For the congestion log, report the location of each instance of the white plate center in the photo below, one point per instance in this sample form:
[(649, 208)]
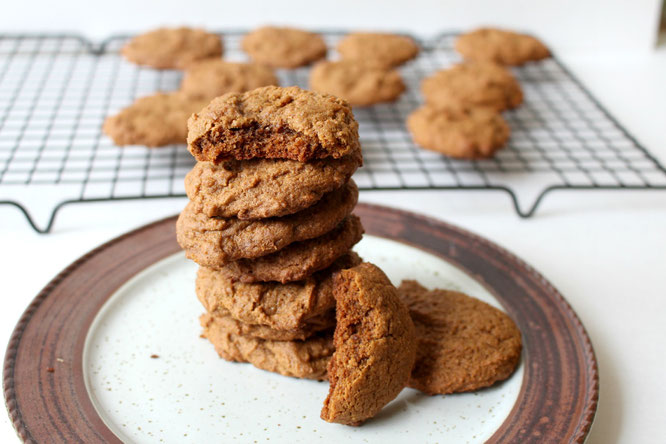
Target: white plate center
[(152, 379)]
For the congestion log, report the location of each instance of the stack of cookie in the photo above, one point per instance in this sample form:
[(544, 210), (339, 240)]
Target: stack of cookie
[(269, 221), (462, 117)]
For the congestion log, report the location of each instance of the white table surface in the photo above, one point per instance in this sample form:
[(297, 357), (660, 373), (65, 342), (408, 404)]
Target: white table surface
[(605, 251)]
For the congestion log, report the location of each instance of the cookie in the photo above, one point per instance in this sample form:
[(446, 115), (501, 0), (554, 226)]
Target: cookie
[(473, 84), (157, 120), (463, 344), (499, 46), (278, 306), (274, 123), (213, 241), (230, 325), (471, 133), (172, 48), (375, 346), (262, 188), (387, 50), (357, 82), (300, 359), (210, 78), (283, 47), (300, 259)]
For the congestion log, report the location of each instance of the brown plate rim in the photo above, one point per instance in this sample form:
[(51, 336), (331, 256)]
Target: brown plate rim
[(558, 396)]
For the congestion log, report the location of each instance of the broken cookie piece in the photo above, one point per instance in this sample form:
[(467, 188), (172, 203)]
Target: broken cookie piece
[(374, 346)]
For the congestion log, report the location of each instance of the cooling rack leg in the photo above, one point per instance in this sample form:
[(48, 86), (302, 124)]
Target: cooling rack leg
[(532, 209), (30, 219)]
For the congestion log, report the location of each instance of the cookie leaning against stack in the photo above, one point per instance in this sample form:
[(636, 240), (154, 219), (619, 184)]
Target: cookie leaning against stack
[(269, 221)]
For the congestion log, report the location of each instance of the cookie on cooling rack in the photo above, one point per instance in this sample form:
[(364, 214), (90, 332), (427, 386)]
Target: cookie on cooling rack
[(387, 50), (172, 48), (210, 78), (156, 120), (470, 133), (281, 47), (473, 84), (464, 344), (501, 46), (359, 83)]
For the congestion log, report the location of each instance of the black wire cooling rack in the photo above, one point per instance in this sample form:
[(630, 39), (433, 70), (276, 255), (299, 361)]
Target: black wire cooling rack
[(56, 90)]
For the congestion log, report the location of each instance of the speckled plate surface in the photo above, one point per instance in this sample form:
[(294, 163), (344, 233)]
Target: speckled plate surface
[(110, 351)]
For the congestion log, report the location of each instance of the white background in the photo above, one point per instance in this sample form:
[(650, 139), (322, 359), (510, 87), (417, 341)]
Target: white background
[(565, 24), (605, 251)]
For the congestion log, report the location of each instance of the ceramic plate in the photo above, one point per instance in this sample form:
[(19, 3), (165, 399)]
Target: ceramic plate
[(110, 351)]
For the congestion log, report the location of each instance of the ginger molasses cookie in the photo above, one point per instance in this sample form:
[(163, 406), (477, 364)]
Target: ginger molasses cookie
[(500, 46), (470, 133), (359, 83), (279, 306), (157, 120), (375, 346), (172, 48), (300, 359), (261, 188), (473, 84), (387, 50), (210, 78), (463, 343), (323, 322), (208, 240), (300, 259), (283, 47), (274, 123)]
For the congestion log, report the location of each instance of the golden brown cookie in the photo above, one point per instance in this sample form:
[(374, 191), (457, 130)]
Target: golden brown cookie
[(387, 50), (300, 259), (230, 325), (283, 47), (157, 120), (473, 84), (172, 48), (274, 123), (463, 344), (278, 306), (375, 346), (210, 78), (499, 46), (357, 82), (471, 133), (213, 241), (300, 359), (261, 188)]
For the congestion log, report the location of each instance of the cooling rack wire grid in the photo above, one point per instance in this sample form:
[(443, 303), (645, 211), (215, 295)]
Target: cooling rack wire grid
[(56, 90)]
